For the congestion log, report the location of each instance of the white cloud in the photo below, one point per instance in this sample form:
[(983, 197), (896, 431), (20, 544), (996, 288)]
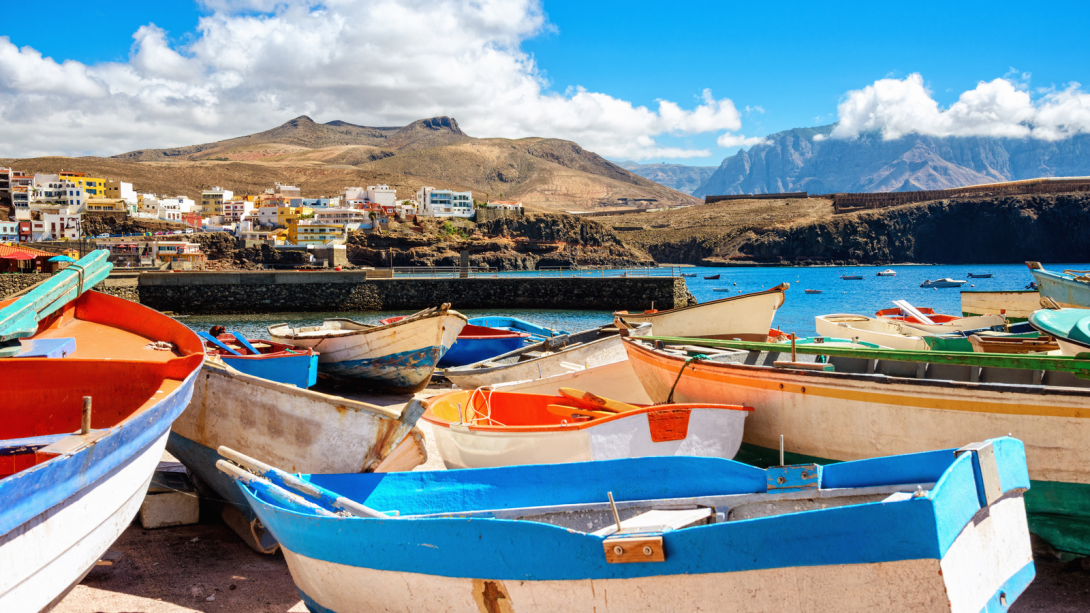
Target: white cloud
[(254, 64), (737, 140), (1001, 108)]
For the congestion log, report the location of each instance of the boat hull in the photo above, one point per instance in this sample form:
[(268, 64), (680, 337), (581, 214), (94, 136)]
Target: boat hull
[(399, 358), (709, 432), (470, 350), (92, 495), (1017, 305), (887, 333), (298, 370), (594, 353), (839, 416), (299, 430), (616, 380), (964, 323), (1063, 289), (747, 317)]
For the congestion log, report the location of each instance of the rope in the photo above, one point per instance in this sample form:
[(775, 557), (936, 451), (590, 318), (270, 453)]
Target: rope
[(699, 356)]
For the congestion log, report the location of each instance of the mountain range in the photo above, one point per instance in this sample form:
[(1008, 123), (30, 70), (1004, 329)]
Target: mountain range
[(677, 176), (541, 172), (794, 160)]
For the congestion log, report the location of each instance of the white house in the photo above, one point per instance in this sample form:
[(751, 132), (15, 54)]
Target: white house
[(382, 195), (340, 215), (510, 205), (46, 188), (433, 202), (235, 210), (61, 223)]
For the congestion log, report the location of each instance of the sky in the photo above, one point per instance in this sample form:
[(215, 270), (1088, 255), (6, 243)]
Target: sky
[(682, 82)]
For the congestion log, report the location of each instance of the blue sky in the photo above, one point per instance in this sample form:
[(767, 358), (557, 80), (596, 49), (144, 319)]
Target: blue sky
[(796, 61)]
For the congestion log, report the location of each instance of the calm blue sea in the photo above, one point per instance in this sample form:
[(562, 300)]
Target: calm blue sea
[(796, 315)]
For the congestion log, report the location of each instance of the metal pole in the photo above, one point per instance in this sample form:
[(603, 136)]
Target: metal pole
[(85, 427)]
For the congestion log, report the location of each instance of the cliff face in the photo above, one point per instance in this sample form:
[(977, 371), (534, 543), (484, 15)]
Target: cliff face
[(1003, 230), (793, 161)]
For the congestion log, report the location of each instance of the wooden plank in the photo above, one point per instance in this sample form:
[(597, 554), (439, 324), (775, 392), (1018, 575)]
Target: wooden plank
[(658, 520), (627, 550)]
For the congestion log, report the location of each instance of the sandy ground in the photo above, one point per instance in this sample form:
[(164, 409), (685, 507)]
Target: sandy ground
[(207, 568)]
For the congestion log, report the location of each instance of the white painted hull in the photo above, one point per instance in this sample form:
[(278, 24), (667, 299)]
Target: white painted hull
[(52, 553), (747, 317), (989, 552), (965, 323), (872, 330), (595, 353), (1069, 348), (616, 381), (1017, 306), (711, 432), (284, 426)]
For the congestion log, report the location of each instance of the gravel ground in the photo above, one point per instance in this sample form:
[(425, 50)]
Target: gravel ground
[(206, 568)]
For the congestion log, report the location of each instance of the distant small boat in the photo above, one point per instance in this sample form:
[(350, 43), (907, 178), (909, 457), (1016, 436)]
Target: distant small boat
[(851, 278), (813, 291), (722, 289), (478, 429), (712, 277), (270, 360), (688, 274), (887, 273), (944, 282), (985, 275)]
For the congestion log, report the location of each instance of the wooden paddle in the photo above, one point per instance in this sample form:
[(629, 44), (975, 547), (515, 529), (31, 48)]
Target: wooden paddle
[(566, 411), (595, 402)]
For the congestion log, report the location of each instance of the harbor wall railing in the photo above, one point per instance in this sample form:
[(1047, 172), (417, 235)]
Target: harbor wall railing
[(214, 293)]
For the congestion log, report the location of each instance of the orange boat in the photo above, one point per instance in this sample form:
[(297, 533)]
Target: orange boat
[(90, 385)]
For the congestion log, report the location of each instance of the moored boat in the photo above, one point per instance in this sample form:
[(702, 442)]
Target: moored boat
[(688, 274), (851, 277), (880, 332), (1068, 289), (298, 429), (746, 316), (889, 272), (712, 277), (813, 291), (981, 275), (864, 403), (1070, 328), (270, 360), (937, 531), (1015, 305), (944, 282), (554, 356), (514, 324), (399, 357), (486, 428), (929, 321), (90, 385)]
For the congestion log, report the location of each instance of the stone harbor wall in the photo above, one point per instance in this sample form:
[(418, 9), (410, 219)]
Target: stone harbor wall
[(270, 292), (11, 283), (124, 287)]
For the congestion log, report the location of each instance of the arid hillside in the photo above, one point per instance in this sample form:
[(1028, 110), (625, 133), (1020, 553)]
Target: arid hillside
[(543, 173)]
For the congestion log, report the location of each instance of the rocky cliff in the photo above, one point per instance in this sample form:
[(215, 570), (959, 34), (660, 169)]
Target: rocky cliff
[(794, 161)]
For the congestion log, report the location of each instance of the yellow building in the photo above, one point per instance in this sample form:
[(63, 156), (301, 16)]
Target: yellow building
[(93, 187), (107, 205), (212, 201), (287, 214), (313, 233)]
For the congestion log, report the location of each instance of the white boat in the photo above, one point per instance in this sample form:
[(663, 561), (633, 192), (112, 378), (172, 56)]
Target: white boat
[(881, 332), (889, 272), (615, 380), (487, 429), (944, 282), (399, 357), (299, 429), (555, 356), (746, 317), (927, 320), (1016, 305)]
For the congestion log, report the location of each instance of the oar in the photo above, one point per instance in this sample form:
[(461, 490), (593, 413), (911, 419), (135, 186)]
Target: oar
[(911, 310), (245, 343), (566, 411), (595, 402), (215, 341)]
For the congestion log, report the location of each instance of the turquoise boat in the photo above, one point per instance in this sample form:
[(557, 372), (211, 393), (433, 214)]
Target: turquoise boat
[(934, 531), (1070, 288), (1070, 328)]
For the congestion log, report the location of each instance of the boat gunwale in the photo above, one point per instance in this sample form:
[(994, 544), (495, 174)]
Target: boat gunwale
[(367, 330), (781, 289)]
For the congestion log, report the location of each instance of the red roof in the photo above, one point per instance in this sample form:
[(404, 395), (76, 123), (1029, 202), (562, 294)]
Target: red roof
[(6, 250)]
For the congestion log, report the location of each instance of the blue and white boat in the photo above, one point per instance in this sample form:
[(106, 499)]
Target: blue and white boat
[(478, 343), (398, 357), (1068, 289), (89, 386), (514, 324), (270, 360), (935, 531)]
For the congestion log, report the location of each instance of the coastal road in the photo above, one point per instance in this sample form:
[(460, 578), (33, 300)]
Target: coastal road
[(206, 568)]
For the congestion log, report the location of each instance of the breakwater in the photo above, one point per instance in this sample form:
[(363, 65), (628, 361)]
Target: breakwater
[(268, 292)]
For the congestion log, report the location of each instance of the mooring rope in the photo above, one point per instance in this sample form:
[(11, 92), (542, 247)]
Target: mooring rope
[(699, 356)]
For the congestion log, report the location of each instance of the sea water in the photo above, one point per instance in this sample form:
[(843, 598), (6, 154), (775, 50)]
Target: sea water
[(866, 296)]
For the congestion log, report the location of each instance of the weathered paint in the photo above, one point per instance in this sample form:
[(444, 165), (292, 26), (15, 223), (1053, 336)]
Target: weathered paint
[(903, 553), (1062, 288), (746, 316), (1016, 305)]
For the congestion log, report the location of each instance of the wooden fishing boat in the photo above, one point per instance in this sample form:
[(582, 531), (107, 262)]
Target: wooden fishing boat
[(845, 404), (1013, 344), (983, 275), (1068, 289), (553, 356), (399, 357), (90, 385), (991, 341), (813, 291), (1070, 328), (514, 324), (889, 272), (486, 428), (712, 277), (476, 343), (1015, 305), (851, 277), (746, 316), (613, 380), (299, 429), (944, 282), (880, 332), (938, 531), (270, 360), (928, 320)]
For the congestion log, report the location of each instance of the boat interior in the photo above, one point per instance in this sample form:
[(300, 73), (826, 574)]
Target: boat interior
[(888, 368), (546, 347), (123, 357)]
